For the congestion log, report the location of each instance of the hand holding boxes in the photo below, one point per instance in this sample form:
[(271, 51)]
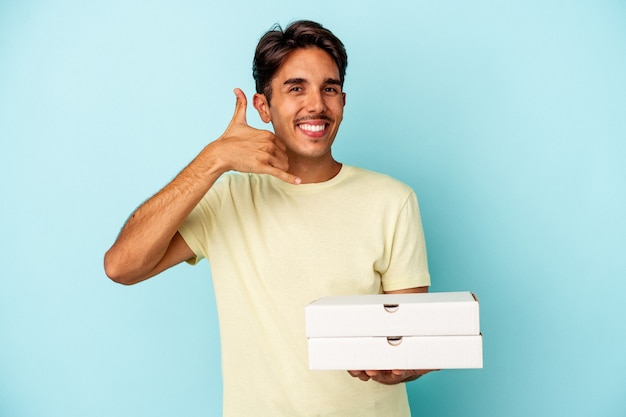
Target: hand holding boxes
[(394, 331)]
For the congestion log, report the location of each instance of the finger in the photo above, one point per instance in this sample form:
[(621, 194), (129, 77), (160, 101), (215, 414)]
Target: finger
[(274, 162), (281, 145), (359, 374), (278, 159), (241, 105), (285, 176)]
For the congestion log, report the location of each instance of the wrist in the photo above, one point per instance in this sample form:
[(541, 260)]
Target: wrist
[(211, 161)]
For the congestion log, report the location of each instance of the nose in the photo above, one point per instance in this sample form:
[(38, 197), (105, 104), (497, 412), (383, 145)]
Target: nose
[(315, 102)]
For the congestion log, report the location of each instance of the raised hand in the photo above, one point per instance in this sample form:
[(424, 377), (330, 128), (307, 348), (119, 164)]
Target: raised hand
[(246, 149)]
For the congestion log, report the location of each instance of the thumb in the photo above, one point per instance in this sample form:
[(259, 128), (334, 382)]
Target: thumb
[(241, 105)]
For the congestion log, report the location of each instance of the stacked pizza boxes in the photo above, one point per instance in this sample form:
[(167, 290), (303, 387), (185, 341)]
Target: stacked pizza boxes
[(394, 331)]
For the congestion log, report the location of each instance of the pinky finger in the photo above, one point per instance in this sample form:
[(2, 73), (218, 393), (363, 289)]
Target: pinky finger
[(285, 176)]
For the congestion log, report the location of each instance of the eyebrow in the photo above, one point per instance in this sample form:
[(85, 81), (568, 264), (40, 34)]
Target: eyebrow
[(292, 81)]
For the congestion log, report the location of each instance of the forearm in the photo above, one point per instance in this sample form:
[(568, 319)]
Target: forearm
[(141, 247), (144, 239)]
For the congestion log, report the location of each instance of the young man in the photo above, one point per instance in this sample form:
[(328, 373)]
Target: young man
[(290, 226)]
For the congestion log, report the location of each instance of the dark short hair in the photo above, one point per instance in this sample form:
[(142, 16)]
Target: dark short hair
[(274, 47)]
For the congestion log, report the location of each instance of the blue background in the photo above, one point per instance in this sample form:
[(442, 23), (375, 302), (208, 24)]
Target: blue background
[(507, 118)]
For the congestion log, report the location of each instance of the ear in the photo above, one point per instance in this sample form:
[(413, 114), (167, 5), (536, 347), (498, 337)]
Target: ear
[(259, 101), (344, 98)]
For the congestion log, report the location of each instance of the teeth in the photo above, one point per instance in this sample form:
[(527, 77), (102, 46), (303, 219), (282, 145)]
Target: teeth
[(312, 128)]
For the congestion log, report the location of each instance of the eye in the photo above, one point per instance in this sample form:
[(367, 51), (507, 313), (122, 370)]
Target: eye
[(295, 89), (331, 90)]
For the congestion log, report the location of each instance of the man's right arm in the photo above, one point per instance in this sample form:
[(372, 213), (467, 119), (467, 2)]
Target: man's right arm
[(149, 242)]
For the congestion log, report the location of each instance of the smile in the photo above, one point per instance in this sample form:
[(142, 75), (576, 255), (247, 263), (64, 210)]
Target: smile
[(312, 128)]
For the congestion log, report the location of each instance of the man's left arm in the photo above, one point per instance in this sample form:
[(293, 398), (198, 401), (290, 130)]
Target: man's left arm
[(394, 376)]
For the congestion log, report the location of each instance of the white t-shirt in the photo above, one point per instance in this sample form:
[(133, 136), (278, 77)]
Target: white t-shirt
[(273, 248)]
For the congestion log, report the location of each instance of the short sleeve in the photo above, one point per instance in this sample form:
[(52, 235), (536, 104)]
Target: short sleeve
[(408, 263), (197, 229)]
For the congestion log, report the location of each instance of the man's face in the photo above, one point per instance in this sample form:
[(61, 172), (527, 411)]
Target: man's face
[(307, 103)]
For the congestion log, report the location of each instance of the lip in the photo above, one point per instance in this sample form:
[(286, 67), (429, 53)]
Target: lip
[(313, 128)]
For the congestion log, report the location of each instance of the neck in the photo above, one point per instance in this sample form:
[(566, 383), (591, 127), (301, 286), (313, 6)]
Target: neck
[(314, 170)]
